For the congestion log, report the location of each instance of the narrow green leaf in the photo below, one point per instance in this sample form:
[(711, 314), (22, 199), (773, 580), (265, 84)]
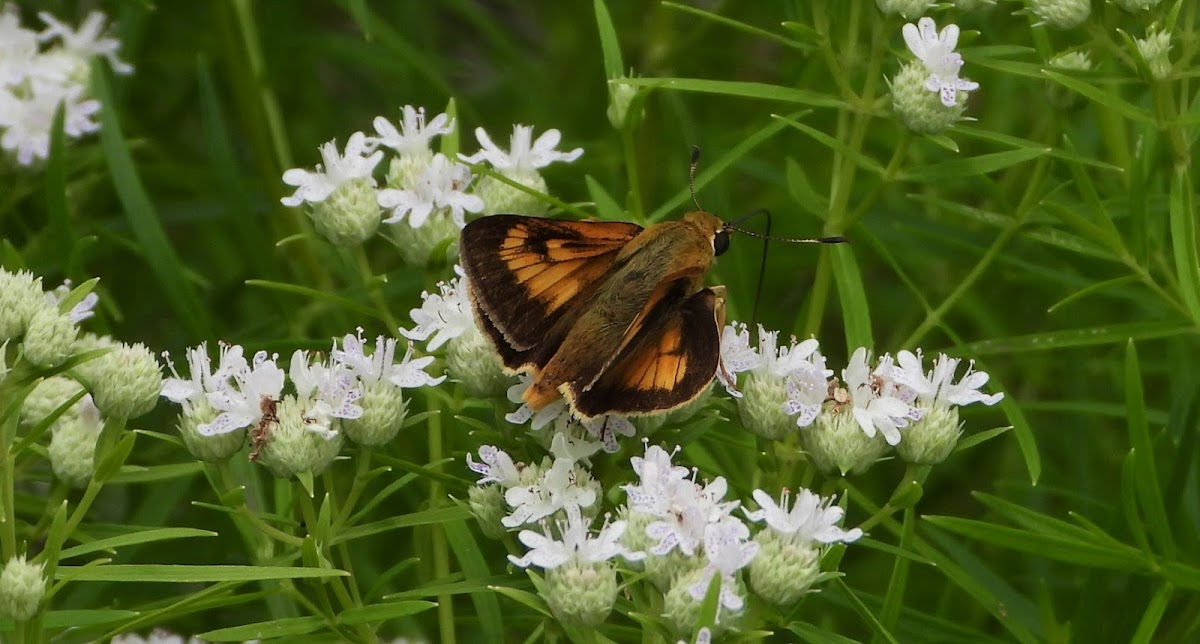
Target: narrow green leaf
[(1091, 289), (817, 635), (739, 26), (145, 536), (525, 598), (318, 295), (865, 613), (973, 166), (1088, 337), (1070, 155), (1043, 524), (1129, 501), (743, 89), (1183, 240), (1106, 98), (606, 206), (79, 618), (1145, 472), (58, 213), (1074, 551), (853, 298), (837, 145), (264, 630), (610, 46), (175, 573), (800, 188), (474, 565), (1152, 615), (1181, 575), (164, 264), (384, 612), (424, 517), (154, 473), (978, 438)]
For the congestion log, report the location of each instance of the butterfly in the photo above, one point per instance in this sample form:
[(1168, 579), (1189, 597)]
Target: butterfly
[(611, 316)]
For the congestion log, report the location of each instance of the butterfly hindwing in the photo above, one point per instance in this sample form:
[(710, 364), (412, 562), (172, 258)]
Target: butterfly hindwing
[(671, 360), (528, 273)]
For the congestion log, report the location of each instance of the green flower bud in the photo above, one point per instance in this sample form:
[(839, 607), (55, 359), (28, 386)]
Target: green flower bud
[(1137, 5), (1072, 61), (407, 167), (784, 569), (20, 297), (488, 506), (211, 449), (664, 570), (682, 611), (49, 337), (634, 538), (125, 382), (761, 407), (836, 443), (416, 245), (620, 99), (930, 440), (46, 397), (1155, 49), (471, 360), (72, 449), (499, 197), (905, 8), (581, 594), (973, 5), (1063, 14), (384, 409), (350, 215), (291, 447), (22, 586), (920, 109)]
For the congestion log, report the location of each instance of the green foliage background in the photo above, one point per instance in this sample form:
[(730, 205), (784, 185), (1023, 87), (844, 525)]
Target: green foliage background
[(1051, 239)]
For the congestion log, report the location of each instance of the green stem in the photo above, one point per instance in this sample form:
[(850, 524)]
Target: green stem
[(8, 531), (441, 551), (356, 489), (371, 286), (637, 213)]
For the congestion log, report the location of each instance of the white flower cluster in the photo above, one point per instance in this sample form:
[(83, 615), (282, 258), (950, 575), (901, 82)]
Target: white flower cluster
[(429, 192), (681, 532), (936, 52), (790, 386), (353, 391), (41, 70)]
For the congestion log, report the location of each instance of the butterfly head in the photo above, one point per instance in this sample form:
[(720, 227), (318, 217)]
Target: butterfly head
[(711, 226)]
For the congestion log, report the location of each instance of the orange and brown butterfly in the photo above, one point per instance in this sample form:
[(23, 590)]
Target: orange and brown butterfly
[(612, 316)]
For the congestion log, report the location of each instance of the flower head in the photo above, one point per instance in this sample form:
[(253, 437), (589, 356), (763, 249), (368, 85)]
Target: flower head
[(879, 404), (495, 466), (560, 487), (336, 169), (239, 399), (415, 134), (524, 154), (811, 518), (440, 186), (936, 51), (22, 586), (27, 120), (575, 541), (87, 41), (443, 315)]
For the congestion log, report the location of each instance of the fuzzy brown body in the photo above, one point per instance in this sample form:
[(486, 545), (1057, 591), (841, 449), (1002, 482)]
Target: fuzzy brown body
[(612, 316)]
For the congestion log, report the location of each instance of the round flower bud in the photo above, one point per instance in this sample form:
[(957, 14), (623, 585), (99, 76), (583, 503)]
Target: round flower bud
[(664, 570), (384, 409), (211, 449), (125, 382), (973, 5), (471, 360), (291, 447), (784, 569), (905, 8), (1137, 5), (488, 506), (46, 397), (406, 167), (22, 586), (920, 109), (931, 439), (620, 99), (350, 215), (417, 245), (499, 197), (634, 538), (20, 297), (72, 447), (49, 337), (761, 407), (682, 610), (581, 594), (1063, 14), (1072, 61), (835, 443), (1154, 48)]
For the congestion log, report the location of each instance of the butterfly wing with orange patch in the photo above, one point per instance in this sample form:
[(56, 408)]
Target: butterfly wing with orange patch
[(529, 273), (669, 362)]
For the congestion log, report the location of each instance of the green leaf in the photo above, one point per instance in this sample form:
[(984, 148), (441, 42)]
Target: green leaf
[(385, 611), (1088, 337), (972, 166), (1152, 615), (978, 438), (836, 145), (525, 598), (1107, 98), (318, 295), (1083, 553), (853, 298), (817, 635), (57, 211), (739, 26), (610, 46), (606, 206), (145, 536), (475, 566), (742, 89), (1145, 473), (1044, 524), (154, 473), (264, 630), (864, 612), (1183, 240), (800, 188), (164, 265), (424, 517), (176, 573)]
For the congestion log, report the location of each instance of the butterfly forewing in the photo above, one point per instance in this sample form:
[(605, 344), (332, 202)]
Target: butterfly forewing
[(528, 273)]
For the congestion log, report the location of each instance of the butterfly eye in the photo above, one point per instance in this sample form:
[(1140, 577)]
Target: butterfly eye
[(720, 242)]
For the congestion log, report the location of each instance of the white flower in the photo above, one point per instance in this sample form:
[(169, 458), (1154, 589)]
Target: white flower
[(241, 402), (18, 48), (338, 168), (807, 389), (937, 387), (381, 365), (736, 356), (495, 466), (28, 120), (575, 542), (201, 380), (685, 510), (558, 488), (443, 315), (727, 550), (87, 41), (574, 446), (414, 134), (82, 309), (524, 155), (878, 403), (655, 475), (327, 391), (770, 359), (812, 518), (542, 417), (440, 185), (936, 51), (605, 428)]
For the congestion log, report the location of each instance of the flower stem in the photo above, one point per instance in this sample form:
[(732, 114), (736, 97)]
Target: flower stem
[(441, 552)]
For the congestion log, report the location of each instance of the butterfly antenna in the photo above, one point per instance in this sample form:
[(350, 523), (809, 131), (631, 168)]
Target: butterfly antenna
[(692, 175)]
